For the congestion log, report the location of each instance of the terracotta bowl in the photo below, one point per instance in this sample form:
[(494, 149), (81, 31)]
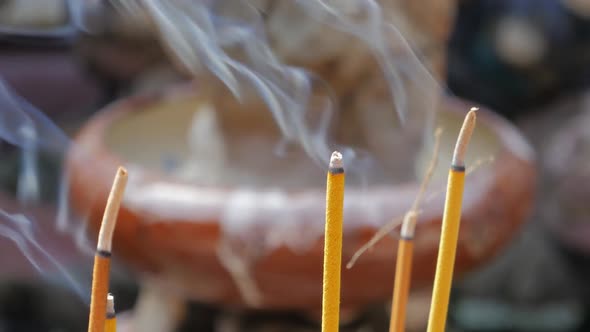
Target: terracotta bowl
[(171, 230)]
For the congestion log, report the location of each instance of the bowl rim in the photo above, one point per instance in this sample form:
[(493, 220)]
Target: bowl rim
[(511, 143)]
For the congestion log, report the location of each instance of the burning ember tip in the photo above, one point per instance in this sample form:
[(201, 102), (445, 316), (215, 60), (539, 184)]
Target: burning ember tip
[(336, 160), (110, 304)]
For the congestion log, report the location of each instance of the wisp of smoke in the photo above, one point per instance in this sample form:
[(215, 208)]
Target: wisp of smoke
[(231, 39), (34, 135), (25, 235)]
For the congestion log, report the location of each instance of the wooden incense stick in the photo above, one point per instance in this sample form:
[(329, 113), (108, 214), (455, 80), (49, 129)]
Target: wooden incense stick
[(450, 229), (111, 317), (102, 258), (333, 244), (405, 251)]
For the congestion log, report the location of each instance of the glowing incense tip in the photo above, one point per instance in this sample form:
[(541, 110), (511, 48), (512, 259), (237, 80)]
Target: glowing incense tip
[(464, 137), (107, 228), (336, 160), (110, 305)]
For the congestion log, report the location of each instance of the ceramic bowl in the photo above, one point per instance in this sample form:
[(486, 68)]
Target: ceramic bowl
[(173, 230)]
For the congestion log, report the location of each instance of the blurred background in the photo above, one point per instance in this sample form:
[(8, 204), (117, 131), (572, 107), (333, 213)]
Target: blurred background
[(528, 60)]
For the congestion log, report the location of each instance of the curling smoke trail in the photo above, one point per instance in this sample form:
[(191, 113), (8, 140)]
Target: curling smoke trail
[(231, 40), (27, 129), (22, 231)]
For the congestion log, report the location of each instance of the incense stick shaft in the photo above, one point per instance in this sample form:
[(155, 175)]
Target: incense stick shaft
[(100, 285), (401, 289), (102, 265), (110, 324), (446, 252), (333, 250), (403, 268)]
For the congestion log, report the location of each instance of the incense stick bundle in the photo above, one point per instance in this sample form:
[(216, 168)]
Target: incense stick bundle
[(333, 244), (102, 258), (450, 229), (111, 317)]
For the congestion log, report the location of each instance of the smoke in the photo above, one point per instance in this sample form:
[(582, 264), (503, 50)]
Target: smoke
[(252, 45), (43, 238), (267, 49), (23, 125), (196, 35), (334, 75), (24, 232)]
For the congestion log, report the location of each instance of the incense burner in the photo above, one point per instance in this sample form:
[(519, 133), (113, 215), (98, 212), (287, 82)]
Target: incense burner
[(244, 228)]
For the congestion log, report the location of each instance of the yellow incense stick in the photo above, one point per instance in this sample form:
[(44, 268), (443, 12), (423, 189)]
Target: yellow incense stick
[(111, 317), (405, 251), (450, 230), (333, 244), (102, 258)]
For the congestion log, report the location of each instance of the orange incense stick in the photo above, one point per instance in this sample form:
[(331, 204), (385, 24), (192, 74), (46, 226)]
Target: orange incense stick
[(405, 251), (333, 244), (102, 258), (403, 274), (450, 229)]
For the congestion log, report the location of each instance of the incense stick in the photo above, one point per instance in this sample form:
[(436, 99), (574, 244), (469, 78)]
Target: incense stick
[(403, 275), (333, 244), (111, 317), (393, 223), (102, 258), (450, 229), (405, 251)]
